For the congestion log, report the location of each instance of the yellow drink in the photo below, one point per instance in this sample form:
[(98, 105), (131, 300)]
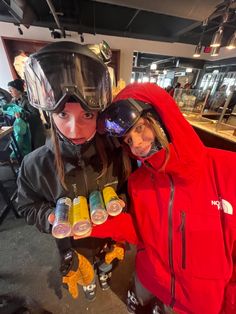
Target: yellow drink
[(79, 216), (112, 201)]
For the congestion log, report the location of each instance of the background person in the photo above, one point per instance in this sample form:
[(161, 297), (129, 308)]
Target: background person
[(18, 119), (184, 201), (5, 97), (19, 97)]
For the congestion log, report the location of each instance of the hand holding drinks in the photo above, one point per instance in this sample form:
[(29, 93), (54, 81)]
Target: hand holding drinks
[(76, 218)]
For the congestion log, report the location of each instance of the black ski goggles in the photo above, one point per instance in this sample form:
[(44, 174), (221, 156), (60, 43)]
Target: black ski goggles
[(54, 78), (121, 116)]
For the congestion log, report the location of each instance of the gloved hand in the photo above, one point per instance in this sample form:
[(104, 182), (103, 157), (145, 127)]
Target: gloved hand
[(117, 251), (81, 273)]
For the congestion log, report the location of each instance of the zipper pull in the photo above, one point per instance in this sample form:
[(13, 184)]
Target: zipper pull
[(79, 156), (75, 190), (182, 224)]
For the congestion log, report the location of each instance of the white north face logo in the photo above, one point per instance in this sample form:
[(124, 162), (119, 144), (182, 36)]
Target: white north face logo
[(227, 207)]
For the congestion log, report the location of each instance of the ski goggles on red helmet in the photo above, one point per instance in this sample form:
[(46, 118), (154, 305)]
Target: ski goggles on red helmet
[(121, 116), (54, 78)]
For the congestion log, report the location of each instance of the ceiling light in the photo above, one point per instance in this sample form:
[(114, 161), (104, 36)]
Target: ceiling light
[(232, 42), (215, 51), (153, 66), (217, 38), (165, 72), (189, 70), (197, 51)]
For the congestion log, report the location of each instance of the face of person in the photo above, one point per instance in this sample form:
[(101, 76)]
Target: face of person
[(76, 124), (140, 138), (14, 92)]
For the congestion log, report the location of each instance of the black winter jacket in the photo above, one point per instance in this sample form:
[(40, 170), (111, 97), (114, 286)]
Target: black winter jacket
[(39, 187)]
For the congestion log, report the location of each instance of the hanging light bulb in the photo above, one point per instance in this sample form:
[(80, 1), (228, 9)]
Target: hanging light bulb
[(217, 38), (197, 51), (215, 51), (232, 42)]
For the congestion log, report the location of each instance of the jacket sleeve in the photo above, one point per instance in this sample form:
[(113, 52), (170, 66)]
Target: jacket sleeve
[(230, 290), (30, 204), (224, 173), (119, 228)]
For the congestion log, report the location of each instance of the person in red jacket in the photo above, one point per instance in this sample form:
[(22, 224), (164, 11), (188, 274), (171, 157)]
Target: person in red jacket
[(183, 201)]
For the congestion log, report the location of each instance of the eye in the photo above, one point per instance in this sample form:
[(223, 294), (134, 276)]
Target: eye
[(128, 140), (88, 115), (139, 128), (62, 114)]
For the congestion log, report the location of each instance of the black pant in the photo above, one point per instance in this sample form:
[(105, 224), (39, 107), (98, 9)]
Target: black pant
[(88, 247)]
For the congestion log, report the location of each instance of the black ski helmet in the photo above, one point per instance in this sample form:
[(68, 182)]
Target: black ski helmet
[(65, 70)]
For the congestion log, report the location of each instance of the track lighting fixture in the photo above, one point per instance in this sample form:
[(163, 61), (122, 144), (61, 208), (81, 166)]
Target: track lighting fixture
[(197, 51), (55, 34), (215, 51), (81, 38), (20, 30), (232, 42), (217, 38), (198, 48), (227, 13)]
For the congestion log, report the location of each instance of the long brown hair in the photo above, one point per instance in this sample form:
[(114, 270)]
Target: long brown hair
[(100, 147), (160, 137)]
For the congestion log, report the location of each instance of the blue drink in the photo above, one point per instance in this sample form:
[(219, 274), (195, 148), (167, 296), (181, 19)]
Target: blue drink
[(97, 208)]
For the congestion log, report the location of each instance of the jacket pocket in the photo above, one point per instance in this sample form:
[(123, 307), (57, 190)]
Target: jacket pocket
[(182, 230), (205, 249)]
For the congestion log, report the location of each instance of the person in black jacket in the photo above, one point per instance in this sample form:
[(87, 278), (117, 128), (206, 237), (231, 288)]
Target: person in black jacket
[(72, 84)]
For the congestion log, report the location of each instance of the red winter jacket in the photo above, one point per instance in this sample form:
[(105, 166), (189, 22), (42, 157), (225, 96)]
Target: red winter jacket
[(185, 216)]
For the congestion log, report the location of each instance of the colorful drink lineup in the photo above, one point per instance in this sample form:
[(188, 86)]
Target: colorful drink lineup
[(76, 217)]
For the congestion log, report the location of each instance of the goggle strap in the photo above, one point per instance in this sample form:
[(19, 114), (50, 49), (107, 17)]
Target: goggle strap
[(135, 104)]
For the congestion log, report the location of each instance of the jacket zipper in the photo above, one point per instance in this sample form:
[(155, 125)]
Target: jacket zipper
[(170, 241), (81, 164), (182, 229), (170, 237)]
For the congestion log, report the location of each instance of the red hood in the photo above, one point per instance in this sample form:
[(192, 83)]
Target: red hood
[(187, 149)]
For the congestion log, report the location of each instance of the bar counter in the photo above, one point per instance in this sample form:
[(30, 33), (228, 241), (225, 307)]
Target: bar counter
[(206, 130)]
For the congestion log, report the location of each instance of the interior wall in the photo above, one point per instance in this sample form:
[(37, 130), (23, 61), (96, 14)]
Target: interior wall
[(126, 46), (5, 71)]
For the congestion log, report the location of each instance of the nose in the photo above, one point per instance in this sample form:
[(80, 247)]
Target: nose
[(76, 129), (136, 140)]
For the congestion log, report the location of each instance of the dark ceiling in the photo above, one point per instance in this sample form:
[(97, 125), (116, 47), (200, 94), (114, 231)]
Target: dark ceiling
[(168, 21)]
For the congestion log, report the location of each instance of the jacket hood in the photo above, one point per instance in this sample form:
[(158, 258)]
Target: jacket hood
[(186, 149)]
